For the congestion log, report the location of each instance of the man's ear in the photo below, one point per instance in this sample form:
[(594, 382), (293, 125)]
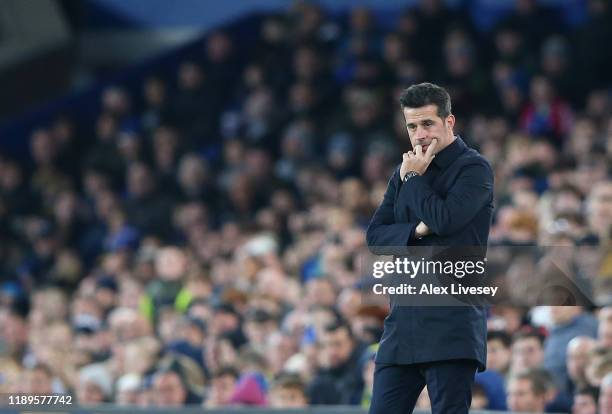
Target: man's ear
[(450, 121)]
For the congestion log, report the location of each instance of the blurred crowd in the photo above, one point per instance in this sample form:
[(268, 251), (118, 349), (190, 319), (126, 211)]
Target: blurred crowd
[(200, 243)]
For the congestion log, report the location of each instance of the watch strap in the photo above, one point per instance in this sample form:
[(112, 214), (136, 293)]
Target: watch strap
[(409, 175)]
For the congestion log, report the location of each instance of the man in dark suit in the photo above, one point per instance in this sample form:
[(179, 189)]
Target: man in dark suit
[(441, 195)]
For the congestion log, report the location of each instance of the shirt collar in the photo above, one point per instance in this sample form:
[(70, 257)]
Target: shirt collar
[(449, 154)]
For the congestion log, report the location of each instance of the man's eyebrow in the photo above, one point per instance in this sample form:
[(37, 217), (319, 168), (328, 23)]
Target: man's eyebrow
[(422, 121)]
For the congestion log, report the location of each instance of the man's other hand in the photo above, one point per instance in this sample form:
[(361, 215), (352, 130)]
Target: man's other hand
[(417, 160), (421, 230)]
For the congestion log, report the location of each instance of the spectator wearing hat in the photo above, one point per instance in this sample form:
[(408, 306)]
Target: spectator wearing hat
[(250, 389), (188, 338)]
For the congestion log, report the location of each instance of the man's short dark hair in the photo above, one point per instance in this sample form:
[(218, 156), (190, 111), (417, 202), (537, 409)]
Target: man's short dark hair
[(289, 380), (44, 368), (501, 336), (226, 370), (539, 379), (423, 94), (338, 325), (588, 390), (528, 333)]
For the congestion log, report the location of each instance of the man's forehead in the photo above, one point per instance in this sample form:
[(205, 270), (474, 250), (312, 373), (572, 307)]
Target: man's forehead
[(527, 341), (603, 190), (519, 383), (422, 112), (338, 334)]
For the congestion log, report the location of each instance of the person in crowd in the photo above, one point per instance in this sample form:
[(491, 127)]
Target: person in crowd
[(288, 391), (605, 395), (499, 351), (338, 380), (527, 392), (527, 350), (585, 401)]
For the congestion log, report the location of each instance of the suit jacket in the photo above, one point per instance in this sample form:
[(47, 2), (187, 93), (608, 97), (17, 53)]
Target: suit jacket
[(454, 198)]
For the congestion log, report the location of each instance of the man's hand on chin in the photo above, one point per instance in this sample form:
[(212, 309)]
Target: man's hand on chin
[(418, 161)]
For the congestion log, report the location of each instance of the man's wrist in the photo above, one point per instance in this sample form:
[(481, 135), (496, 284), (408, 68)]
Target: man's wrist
[(409, 175)]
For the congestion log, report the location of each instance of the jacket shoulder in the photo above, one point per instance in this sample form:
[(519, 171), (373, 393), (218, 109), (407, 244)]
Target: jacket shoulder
[(473, 157)]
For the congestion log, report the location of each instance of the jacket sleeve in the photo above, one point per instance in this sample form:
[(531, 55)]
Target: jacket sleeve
[(383, 231), (472, 190)]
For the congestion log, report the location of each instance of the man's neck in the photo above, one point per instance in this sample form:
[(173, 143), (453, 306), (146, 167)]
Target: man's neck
[(452, 139)]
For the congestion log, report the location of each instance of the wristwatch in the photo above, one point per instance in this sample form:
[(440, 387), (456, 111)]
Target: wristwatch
[(409, 175)]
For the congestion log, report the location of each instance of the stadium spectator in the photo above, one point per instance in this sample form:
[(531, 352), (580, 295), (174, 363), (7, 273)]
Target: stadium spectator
[(480, 400), (585, 401), (338, 380), (288, 391), (222, 387), (499, 351), (527, 392), (604, 333), (605, 395), (37, 380), (94, 386), (577, 357), (527, 350), (127, 389), (169, 389), (569, 322), (599, 364)]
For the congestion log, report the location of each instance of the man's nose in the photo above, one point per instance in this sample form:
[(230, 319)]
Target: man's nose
[(420, 134)]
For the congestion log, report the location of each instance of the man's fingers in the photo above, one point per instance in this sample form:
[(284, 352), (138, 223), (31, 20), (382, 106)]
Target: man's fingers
[(424, 228), (432, 147), (418, 150)]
